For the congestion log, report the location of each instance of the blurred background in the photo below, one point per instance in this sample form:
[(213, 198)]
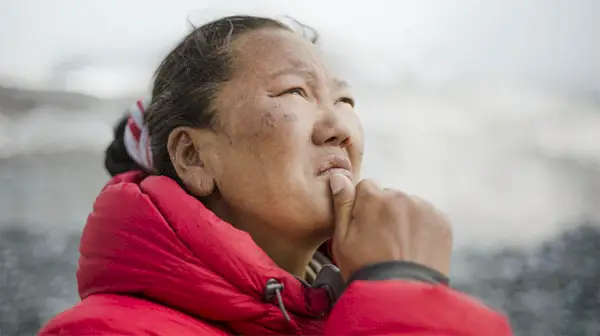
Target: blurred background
[(490, 109)]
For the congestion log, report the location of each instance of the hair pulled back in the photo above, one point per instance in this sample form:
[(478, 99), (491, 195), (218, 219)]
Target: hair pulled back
[(185, 85)]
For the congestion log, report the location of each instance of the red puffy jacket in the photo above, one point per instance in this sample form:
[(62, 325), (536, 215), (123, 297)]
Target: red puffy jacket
[(155, 261)]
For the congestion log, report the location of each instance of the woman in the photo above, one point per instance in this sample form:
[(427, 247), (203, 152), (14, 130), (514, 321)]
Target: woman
[(221, 228)]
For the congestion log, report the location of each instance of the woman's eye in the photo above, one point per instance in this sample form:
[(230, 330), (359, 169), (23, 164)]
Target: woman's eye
[(346, 100), (297, 91)]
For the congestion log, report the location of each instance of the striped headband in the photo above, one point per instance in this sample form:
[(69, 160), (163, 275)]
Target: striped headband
[(137, 139)]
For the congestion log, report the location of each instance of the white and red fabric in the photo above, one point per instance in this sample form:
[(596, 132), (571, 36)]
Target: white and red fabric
[(137, 139)]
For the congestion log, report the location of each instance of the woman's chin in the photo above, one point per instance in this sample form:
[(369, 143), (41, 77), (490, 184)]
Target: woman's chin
[(324, 221), (316, 223), (309, 214)]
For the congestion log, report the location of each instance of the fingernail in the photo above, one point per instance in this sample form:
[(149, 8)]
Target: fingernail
[(336, 183)]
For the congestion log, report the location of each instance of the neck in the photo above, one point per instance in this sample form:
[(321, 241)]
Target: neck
[(292, 255)]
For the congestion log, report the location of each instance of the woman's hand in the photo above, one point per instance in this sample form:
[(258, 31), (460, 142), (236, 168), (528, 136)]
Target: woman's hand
[(375, 225)]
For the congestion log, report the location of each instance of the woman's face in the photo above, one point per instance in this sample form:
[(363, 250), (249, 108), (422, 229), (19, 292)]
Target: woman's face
[(285, 124)]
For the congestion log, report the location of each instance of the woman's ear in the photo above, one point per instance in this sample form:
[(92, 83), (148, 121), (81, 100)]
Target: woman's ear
[(186, 157)]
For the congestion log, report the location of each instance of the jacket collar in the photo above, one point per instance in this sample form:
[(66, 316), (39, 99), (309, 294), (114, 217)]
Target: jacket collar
[(148, 237)]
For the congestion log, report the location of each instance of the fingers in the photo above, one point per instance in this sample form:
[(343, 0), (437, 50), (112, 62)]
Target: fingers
[(343, 193)]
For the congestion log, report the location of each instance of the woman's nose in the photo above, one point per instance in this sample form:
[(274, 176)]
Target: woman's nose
[(331, 131)]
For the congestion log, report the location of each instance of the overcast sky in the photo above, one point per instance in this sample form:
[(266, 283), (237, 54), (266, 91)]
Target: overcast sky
[(555, 41), (477, 147)]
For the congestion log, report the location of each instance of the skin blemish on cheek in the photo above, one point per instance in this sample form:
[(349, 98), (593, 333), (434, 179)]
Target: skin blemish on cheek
[(285, 116), (268, 120), (290, 117), (266, 123)]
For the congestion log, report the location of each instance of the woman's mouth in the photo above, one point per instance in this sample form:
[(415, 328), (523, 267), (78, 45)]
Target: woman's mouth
[(335, 164)]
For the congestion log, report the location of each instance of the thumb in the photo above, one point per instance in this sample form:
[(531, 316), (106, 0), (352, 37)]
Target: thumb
[(342, 192)]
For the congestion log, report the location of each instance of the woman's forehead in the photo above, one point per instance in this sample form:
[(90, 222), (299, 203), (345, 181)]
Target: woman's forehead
[(274, 50), (271, 53)]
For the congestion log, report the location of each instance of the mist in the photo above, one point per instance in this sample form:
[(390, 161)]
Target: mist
[(472, 105)]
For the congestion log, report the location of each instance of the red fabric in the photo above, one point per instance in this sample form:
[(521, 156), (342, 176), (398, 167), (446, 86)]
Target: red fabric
[(140, 105), (135, 130), (154, 261)]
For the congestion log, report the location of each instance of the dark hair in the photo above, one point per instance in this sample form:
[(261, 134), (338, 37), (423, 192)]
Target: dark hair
[(187, 81), (116, 159)]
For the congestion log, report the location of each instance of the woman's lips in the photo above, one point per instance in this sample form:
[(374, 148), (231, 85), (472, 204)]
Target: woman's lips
[(341, 171), (335, 164)]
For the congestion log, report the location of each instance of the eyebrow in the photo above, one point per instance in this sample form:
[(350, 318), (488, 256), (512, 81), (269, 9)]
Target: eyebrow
[(308, 75)]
